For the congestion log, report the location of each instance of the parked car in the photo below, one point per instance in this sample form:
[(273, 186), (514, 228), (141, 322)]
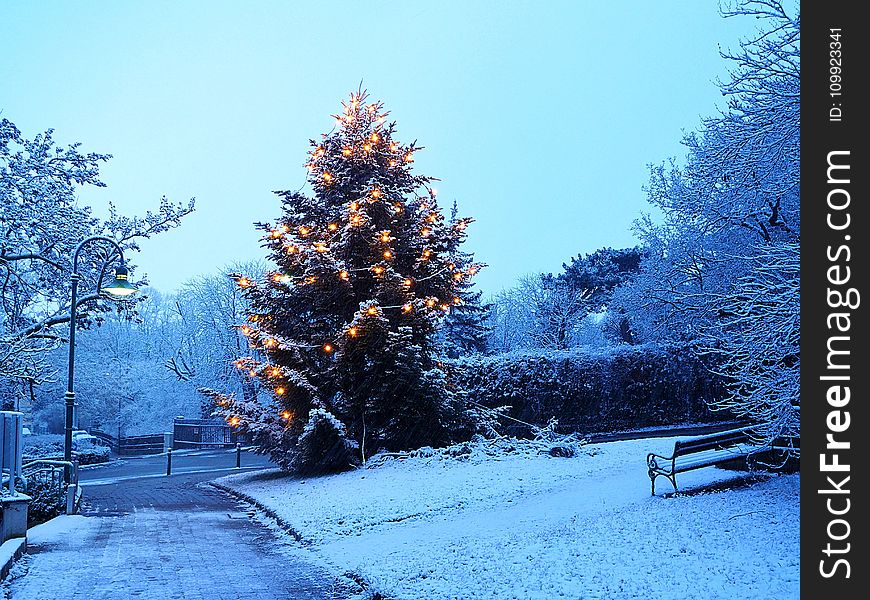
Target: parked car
[(80, 436)]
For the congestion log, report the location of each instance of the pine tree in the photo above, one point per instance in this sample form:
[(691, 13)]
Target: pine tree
[(366, 270), (465, 329)]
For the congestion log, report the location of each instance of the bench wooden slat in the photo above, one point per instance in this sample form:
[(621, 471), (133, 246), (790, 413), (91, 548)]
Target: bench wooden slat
[(723, 439)]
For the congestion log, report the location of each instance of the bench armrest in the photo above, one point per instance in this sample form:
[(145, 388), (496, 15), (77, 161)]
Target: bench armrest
[(658, 463)]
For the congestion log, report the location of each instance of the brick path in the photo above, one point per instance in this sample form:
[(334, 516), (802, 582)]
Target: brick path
[(165, 539)]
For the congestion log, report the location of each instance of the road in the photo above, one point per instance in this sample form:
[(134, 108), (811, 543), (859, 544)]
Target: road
[(147, 536), (183, 461)]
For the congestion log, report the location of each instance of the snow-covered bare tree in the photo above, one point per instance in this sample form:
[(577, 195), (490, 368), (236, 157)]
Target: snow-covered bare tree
[(731, 228), (756, 344), (209, 310), (40, 226)]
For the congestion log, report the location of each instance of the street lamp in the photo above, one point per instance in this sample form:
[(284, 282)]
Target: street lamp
[(119, 288)]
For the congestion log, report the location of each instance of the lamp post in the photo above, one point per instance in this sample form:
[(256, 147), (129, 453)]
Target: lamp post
[(120, 287)]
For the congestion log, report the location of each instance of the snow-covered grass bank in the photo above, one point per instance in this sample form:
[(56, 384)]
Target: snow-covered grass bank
[(523, 525)]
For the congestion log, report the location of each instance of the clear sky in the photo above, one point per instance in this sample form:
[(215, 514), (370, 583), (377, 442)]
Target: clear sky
[(540, 118)]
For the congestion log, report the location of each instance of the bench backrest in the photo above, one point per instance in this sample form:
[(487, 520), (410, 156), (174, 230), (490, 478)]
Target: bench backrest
[(723, 439)]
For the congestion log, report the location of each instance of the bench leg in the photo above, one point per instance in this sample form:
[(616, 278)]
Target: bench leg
[(652, 479), (673, 480)]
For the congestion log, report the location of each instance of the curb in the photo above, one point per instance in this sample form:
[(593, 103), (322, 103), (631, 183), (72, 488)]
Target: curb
[(10, 551), (264, 509), (356, 578)]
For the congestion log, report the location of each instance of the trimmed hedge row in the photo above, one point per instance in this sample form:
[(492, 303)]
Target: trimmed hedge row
[(594, 391)]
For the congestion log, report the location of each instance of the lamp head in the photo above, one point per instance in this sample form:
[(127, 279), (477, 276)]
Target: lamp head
[(120, 287)]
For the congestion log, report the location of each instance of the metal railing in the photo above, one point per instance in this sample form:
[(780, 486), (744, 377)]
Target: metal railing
[(199, 433), (49, 474)]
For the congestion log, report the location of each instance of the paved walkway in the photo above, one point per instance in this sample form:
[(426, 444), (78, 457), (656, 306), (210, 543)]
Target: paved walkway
[(165, 539)]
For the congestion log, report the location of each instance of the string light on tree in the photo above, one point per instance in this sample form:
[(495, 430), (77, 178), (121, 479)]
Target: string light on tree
[(368, 280)]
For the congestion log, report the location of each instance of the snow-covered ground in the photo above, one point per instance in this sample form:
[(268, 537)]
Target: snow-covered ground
[(523, 525)]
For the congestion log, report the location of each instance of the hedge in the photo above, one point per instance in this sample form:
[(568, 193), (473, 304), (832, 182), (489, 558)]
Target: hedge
[(594, 391)]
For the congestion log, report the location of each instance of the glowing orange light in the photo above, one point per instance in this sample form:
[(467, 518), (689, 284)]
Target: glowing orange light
[(374, 137), (310, 279), (409, 157), (388, 254), (244, 282), (354, 205), (327, 348), (427, 253), (344, 275), (457, 301), (408, 282), (346, 151), (394, 146), (385, 236), (292, 249), (371, 310), (276, 233), (235, 421), (246, 330), (445, 307), (430, 302), (398, 207), (319, 152), (320, 247), (304, 231), (378, 270), (432, 217), (425, 231), (286, 415), (254, 318), (332, 227), (376, 193), (275, 371), (280, 391), (392, 163), (327, 177), (356, 220), (367, 147), (457, 276), (252, 373), (270, 343), (353, 332), (407, 308)]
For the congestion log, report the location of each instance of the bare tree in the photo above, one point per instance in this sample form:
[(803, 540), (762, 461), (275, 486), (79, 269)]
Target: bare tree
[(40, 226)]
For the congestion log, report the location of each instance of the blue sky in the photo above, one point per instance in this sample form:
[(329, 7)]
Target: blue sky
[(540, 118)]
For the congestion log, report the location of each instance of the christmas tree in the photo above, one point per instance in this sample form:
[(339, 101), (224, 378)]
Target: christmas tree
[(343, 331)]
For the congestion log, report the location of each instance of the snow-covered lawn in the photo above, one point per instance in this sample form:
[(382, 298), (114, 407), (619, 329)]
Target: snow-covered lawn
[(525, 525)]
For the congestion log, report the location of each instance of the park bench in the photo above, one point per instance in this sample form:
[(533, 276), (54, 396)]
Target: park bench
[(702, 451)]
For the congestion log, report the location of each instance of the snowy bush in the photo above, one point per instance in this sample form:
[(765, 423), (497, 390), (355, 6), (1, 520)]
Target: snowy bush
[(545, 440), (323, 446), (620, 388), (48, 500)]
